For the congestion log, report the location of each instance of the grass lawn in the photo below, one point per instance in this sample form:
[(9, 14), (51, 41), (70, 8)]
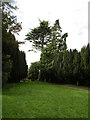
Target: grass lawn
[(43, 100)]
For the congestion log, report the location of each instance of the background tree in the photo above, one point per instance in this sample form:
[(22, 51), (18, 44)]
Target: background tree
[(33, 71), (46, 63), (22, 66), (76, 66), (50, 53), (85, 65), (40, 35), (57, 37)]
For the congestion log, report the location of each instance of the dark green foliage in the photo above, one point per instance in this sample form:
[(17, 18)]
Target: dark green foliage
[(40, 35), (33, 71), (68, 67), (9, 20), (47, 63), (22, 67), (6, 68), (19, 69), (49, 54), (57, 38), (85, 65), (12, 59)]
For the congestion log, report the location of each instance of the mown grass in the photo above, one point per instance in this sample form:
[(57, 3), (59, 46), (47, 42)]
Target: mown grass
[(43, 100)]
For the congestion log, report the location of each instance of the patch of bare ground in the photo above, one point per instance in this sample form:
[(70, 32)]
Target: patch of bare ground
[(77, 87)]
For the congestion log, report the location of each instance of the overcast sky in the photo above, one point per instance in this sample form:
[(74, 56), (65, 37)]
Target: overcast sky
[(72, 14)]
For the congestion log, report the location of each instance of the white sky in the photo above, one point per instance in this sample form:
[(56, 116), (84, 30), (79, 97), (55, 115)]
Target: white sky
[(72, 14)]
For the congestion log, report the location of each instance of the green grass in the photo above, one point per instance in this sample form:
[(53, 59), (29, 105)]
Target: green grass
[(43, 100)]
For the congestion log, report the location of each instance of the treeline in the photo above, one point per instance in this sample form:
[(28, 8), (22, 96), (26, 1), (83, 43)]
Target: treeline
[(57, 64), (14, 67), (66, 67), (69, 67)]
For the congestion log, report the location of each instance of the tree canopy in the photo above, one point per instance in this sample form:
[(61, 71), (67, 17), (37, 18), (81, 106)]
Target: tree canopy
[(40, 35)]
